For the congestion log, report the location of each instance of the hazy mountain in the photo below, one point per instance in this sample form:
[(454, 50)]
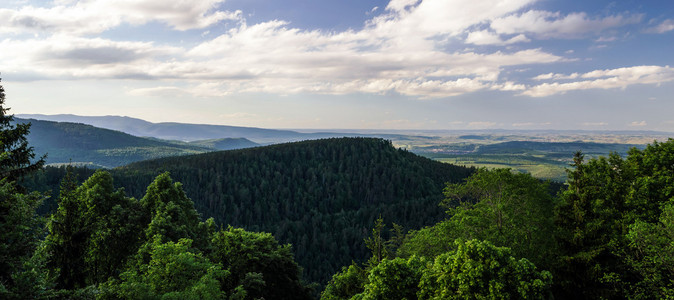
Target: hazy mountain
[(179, 131), (225, 144), (65, 142)]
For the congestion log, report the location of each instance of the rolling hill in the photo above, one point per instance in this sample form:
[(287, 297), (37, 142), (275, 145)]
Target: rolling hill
[(85, 144)]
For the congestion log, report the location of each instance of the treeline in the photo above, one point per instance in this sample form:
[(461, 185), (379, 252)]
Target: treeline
[(321, 196), (608, 235)]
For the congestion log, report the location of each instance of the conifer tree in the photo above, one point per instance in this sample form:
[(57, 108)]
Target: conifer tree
[(20, 227), (15, 154)]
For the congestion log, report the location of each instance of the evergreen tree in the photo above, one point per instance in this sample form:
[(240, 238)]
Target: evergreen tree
[(259, 266), (15, 154), (20, 231), (20, 227)]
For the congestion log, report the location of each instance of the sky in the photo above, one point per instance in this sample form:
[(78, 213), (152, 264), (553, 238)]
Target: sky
[(348, 64)]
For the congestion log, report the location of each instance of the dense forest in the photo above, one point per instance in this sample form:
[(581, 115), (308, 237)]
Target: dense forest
[(475, 234), (101, 244), (321, 196)]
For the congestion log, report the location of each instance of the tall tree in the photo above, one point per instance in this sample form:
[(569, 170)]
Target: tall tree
[(20, 228), (15, 154), (480, 270)]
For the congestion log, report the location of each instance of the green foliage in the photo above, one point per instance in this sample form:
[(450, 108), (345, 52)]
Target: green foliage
[(610, 212), (650, 253), (92, 234), (20, 231), (345, 284), (104, 244), (395, 279), (258, 265), (21, 273), (174, 272), (508, 209), (376, 243), (480, 270), (475, 270), (429, 241), (172, 213)]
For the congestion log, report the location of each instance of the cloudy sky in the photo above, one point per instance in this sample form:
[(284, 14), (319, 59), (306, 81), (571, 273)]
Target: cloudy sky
[(375, 64)]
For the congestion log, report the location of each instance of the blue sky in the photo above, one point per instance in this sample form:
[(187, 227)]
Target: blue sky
[(362, 64)]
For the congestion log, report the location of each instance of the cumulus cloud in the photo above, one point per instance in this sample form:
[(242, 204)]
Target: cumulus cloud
[(95, 16), (602, 79), (546, 24), (397, 52), (402, 50)]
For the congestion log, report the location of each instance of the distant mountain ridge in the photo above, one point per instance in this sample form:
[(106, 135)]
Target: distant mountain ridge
[(65, 142), (177, 131)]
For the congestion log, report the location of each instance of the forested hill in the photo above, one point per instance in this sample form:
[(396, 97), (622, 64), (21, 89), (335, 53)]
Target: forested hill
[(322, 196), (80, 143)]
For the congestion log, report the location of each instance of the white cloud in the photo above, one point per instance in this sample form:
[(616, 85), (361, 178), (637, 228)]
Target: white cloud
[(665, 26), (638, 124), (160, 91), (556, 76), (595, 124), (546, 24), (95, 16), (485, 37), (72, 57), (481, 125), (399, 51), (602, 79), (299, 61), (400, 5)]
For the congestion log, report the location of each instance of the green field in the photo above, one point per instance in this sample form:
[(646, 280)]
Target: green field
[(544, 169), (545, 160)]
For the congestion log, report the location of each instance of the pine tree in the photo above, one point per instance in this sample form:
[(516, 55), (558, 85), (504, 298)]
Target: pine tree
[(15, 154)]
